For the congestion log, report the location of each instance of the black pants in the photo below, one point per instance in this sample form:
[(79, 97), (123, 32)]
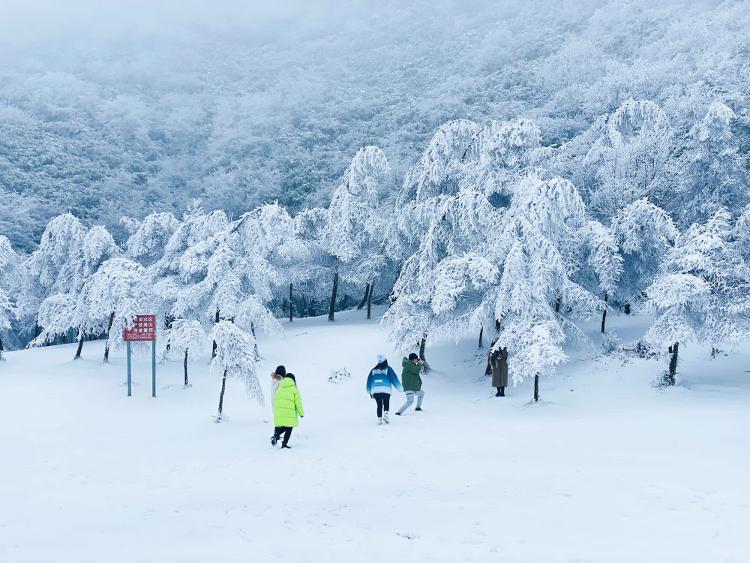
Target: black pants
[(285, 430), (384, 401)]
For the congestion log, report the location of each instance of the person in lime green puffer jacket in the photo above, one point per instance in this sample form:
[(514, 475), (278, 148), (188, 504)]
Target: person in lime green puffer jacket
[(287, 404)]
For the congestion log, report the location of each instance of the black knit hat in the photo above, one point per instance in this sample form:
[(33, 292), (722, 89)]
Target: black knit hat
[(281, 370), (413, 356)]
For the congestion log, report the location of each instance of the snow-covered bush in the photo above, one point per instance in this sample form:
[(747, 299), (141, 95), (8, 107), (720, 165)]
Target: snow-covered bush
[(611, 342), (339, 375)]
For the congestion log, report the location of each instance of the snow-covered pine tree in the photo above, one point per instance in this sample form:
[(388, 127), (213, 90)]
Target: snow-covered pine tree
[(440, 286), (710, 172), (186, 252), (433, 173), (604, 262), (184, 264), (7, 316), (536, 294), (51, 268), (147, 243), (314, 278), (498, 155), (184, 336), (628, 159), (234, 358), (57, 313), (8, 282), (355, 231), (644, 233), (702, 292), (272, 232), (111, 298), (455, 225), (229, 275)]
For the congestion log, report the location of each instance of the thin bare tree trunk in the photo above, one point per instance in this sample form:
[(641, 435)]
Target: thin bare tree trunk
[(422, 345), (255, 342), (364, 298), (536, 387), (213, 346), (185, 364), (481, 335), (221, 396), (109, 328), (604, 314), (674, 350), (291, 310), (332, 307), (81, 338), (369, 301)]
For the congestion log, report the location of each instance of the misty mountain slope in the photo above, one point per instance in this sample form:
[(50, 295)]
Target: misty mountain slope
[(235, 107)]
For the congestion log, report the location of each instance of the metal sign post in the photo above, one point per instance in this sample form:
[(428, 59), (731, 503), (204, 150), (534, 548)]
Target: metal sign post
[(153, 366), (143, 330), (130, 378)]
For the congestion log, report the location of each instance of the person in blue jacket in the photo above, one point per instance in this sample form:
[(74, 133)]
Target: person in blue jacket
[(381, 380)]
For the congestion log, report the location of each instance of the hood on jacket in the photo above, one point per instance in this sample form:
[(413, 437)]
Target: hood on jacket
[(287, 382)]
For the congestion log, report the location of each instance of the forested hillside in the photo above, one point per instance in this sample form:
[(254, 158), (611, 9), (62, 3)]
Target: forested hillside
[(120, 117)]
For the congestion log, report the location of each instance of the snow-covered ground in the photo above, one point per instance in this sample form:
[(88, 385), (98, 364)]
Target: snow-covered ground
[(606, 468)]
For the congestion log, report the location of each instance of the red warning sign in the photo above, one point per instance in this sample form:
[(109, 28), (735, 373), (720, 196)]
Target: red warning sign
[(143, 329)]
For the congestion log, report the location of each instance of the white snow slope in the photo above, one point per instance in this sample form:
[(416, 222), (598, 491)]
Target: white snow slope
[(606, 469)]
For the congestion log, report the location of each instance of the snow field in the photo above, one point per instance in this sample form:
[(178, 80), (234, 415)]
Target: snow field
[(607, 468)]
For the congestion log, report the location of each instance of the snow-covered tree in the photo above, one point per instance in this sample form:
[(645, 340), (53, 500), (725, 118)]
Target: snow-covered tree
[(314, 277), (111, 298), (479, 265), (433, 174), (8, 262), (231, 274), (450, 208), (355, 231), (644, 233), (234, 358), (702, 292), (271, 232), (7, 316), (53, 267), (439, 286), (57, 313), (536, 295), (186, 251), (184, 263), (603, 259), (710, 171), (499, 154), (183, 336), (147, 243), (628, 159)]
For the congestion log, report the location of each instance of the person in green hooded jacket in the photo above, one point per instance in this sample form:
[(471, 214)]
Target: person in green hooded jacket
[(411, 382), (287, 405)]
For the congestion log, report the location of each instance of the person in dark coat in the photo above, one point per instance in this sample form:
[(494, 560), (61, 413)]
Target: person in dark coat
[(499, 366), (411, 382)]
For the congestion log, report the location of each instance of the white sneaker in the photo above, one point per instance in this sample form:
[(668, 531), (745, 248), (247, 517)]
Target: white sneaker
[(385, 418), (380, 421)]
